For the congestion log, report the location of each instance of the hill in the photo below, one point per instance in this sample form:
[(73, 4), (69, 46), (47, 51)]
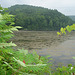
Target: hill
[(38, 18), (72, 17)]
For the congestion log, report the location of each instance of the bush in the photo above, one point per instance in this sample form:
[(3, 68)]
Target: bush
[(18, 62)]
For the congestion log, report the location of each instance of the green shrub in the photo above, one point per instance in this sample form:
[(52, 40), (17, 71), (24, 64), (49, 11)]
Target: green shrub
[(16, 62)]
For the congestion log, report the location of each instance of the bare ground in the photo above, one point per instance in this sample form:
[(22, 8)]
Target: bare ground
[(61, 48), (38, 40)]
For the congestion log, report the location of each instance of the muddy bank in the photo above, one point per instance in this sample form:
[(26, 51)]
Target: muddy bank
[(37, 40), (61, 49)]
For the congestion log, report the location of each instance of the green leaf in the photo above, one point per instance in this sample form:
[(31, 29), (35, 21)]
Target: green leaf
[(1, 57), (58, 33), (11, 29), (63, 30), (73, 27), (20, 62), (0, 17), (25, 52), (10, 66), (6, 44), (1, 8), (40, 62), (17, 70), (12, 23), (18, 27), (24, 65), (38, 65), (73, 57), (69, 28)]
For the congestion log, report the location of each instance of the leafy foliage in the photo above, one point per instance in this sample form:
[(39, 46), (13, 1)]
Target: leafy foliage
[(9, 62), (68, 28), (31, 63), (5, 44), (65, 70)]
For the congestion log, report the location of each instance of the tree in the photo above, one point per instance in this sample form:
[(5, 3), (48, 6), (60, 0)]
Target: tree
[(38, 18)]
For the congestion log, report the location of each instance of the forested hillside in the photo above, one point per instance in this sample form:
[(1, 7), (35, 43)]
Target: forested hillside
[(72, 17), (38, 18)]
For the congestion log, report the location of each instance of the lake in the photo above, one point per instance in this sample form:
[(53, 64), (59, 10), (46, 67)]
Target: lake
[(61, 48)]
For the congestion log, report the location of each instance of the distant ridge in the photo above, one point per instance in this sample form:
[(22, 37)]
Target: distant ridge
[(72, 17), (39, 18)]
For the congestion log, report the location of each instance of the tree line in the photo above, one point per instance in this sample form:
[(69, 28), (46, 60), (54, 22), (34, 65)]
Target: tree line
[(38, 18)]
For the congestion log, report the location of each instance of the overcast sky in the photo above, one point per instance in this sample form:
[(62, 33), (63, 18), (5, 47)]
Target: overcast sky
[(66, 7)]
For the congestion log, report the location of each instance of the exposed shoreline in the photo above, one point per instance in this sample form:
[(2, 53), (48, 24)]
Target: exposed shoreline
[(45, 43), (38, 40)]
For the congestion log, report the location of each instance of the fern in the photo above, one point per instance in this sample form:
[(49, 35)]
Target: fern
[(6, 54), (2, 45), (6, 30)]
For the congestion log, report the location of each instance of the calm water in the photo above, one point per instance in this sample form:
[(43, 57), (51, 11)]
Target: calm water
[(61, 54), (61, 49)]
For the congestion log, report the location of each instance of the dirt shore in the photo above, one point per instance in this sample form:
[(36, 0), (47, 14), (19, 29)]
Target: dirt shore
[(37, 40), (47, 43)]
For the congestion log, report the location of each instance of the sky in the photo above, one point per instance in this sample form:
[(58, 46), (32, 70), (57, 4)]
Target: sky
[(66, 7)]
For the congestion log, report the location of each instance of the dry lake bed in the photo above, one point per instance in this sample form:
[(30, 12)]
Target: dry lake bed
[(61, 48)]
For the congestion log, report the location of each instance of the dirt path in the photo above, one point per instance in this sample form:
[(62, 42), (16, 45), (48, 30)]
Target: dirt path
[(63, 53)]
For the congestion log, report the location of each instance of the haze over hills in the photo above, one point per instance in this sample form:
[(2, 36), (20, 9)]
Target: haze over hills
[(72, 17), (39, 18)]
